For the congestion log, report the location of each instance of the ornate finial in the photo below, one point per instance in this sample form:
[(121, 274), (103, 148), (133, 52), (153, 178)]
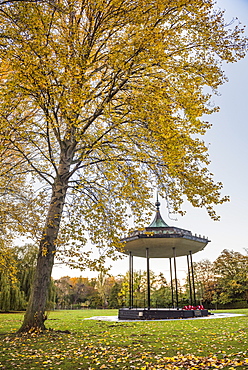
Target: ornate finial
[(157, 204)]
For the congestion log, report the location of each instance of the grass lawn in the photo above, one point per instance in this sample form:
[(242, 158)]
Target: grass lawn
[(76, 344)]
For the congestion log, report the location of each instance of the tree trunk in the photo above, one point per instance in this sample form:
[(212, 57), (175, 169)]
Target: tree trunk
[(35, 314)]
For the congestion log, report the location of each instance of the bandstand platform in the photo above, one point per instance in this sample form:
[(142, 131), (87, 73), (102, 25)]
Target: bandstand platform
[(159, 313)]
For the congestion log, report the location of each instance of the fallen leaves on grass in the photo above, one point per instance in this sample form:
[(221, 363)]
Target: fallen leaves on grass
[(89, 345), (101, 356), (194, 362)]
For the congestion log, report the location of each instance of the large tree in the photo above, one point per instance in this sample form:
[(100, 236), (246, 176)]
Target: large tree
[(101, 101)]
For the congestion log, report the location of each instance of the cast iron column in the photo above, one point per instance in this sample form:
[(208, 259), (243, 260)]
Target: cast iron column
[(148, 280), (172, 290), (190, 287), (130, 280), (193, 280), (175, 272)]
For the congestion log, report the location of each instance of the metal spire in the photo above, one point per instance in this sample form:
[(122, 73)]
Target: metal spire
[(158, 221)]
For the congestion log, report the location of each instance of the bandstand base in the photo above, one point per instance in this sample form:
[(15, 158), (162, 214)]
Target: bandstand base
[(159, 313)]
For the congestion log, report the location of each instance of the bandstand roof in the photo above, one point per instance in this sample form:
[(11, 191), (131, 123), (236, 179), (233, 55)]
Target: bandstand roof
[(162, 240)]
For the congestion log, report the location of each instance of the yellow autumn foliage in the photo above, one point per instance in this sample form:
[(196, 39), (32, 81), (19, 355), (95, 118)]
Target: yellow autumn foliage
[(8, 263), (126, 81)]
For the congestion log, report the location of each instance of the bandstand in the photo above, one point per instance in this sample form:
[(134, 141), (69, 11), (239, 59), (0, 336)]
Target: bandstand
[(159, 240)]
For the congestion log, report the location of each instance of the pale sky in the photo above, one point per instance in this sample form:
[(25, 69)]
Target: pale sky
[(228, 150)]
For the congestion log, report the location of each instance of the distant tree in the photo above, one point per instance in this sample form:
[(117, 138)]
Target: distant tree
[(124, 291), (73, 291), (231, 269), (77, 290), (12, 298), (114, 297), (160, 292), (104, 284), (26, 257), (205, 280), (63, 292), (17, 266), (96, 98)]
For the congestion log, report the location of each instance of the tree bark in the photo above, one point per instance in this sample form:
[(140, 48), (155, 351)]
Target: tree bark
[(35, 314)]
